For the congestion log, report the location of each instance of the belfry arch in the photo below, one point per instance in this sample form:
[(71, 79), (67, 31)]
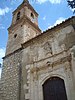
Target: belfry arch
[(54, 89)]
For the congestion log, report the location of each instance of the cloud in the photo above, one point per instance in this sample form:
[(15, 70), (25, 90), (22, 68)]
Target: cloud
[(4, 11), (72, 9), (14, 1), (41, 1), (2, 27), (44, 18), (55, 1), (51, 1), (2, 54), (58, 21)]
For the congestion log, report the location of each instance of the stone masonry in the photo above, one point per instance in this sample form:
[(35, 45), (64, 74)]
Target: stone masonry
[(33, 57)]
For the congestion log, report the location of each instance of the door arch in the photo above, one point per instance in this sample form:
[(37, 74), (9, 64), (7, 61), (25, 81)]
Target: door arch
[(54, 89)]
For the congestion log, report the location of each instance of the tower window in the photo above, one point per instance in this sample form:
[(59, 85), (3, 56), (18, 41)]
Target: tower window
[(32, 15), (15, 35), (18, 16)]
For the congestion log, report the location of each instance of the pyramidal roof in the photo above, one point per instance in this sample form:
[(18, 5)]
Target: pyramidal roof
[(26, 1)]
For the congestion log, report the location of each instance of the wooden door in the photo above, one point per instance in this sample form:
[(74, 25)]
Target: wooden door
[(54, 89)]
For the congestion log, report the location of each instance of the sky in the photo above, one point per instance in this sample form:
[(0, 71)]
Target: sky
[(51, 13)]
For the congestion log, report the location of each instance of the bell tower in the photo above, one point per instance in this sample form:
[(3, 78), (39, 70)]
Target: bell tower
[(24, 26)]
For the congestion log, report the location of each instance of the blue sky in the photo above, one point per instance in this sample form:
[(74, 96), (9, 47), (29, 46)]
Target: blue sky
[(51, 12)]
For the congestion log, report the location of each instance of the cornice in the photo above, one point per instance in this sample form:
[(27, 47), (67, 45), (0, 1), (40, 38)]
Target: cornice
[(69, 21), (30, 7), (22, 21), (52, 56), (8, 55), (13, 26), (53, 64)]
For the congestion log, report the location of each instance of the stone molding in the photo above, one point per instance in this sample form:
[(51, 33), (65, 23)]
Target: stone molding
[(22, 21), (53, 64), (18, 50), (69, 21)]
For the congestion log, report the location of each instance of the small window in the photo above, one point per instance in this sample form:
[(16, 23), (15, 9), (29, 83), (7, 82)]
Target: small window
[(32, 15), (15, 35), (18, 16)]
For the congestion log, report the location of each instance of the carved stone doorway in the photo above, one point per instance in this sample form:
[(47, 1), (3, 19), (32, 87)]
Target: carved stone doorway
[(54, 89)]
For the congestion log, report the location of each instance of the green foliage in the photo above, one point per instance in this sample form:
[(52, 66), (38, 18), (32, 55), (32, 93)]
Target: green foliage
[(71, 3)]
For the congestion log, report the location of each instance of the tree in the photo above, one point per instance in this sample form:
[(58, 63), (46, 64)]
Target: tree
[(71, 3)]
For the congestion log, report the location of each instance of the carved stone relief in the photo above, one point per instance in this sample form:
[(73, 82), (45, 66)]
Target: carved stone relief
[(47, 48)]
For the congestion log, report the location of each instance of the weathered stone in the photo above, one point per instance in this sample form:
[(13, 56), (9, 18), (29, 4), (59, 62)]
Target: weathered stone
[(32, 58)]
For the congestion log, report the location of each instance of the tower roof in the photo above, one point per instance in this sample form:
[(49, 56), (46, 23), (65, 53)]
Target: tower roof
[(26, 1)]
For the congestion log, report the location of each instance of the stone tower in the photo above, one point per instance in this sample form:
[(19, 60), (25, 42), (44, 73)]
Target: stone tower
[(24, 27)]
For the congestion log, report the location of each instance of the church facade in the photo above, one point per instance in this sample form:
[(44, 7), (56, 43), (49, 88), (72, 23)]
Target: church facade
[(38, 66)]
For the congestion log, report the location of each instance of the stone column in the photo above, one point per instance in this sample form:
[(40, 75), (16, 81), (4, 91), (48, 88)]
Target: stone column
[(36, 86), (73, 62), (69, 78)]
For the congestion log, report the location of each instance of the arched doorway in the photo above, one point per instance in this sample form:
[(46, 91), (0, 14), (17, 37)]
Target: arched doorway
[(54, 89)]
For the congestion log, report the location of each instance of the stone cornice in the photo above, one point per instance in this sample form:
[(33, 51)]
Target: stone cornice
[(53, 64), (69, 21), (22, 21), (18, 50), (52, 56), (30, 7)]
